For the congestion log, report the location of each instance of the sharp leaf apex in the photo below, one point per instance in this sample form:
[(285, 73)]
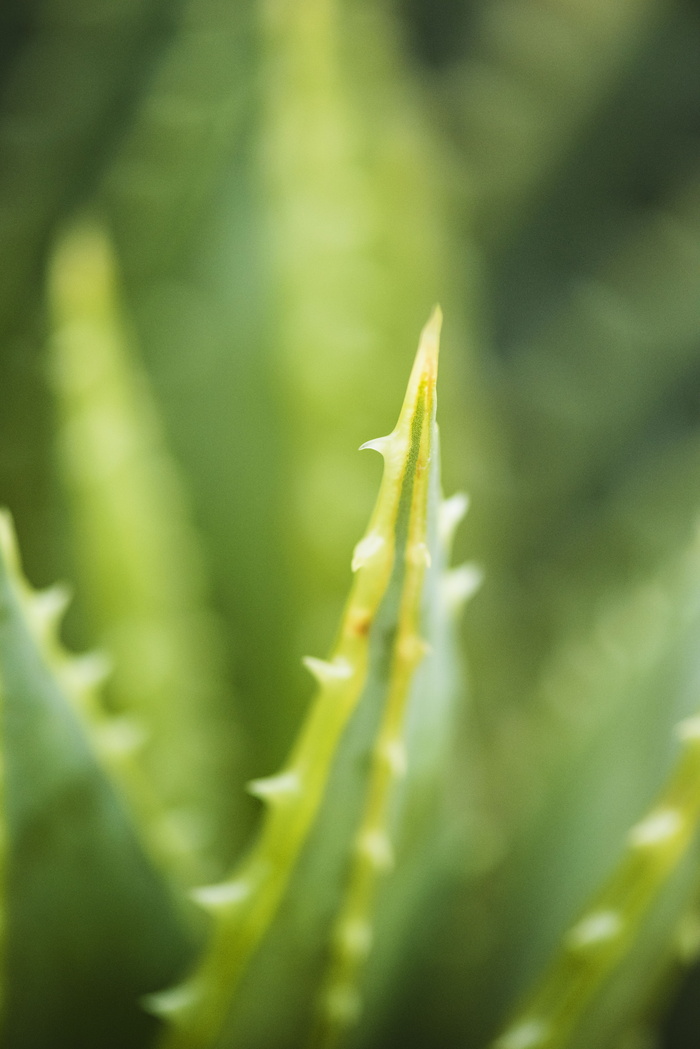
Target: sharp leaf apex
[(429, 346)]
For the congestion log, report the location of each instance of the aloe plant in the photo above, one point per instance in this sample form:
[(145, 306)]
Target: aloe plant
[(224, 224)]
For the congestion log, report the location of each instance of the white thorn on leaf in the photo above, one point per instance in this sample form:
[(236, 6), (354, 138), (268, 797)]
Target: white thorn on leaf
[(275, 788), (88, 671), (656, 829), (47, 606), (354, 938), (526, 1035), (379, 444), (375, 846), (689, 730), (174, 1002), (394, 753), (8, 540), (452, 511), (459, 584), (595, 928), (221, 897), (343, 1004), (324, 671), (366, 549), (120, 737)]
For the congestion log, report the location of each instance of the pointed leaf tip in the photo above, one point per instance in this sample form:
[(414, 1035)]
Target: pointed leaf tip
[(351, 751), (429, 345), (423, 374)]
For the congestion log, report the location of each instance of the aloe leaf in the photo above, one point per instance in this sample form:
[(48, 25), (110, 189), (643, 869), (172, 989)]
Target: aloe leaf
[(610, 927), (609, 706), (621, 543), (75, 875), (62, 81), (310, 883), (184, 207), (140, 560), (287, 315), (581, 397), (611, 358), (565, 777)]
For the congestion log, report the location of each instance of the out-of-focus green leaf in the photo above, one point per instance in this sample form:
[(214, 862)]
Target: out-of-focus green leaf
[(535, 74), (75, 875), (638, 908), (140, 560)]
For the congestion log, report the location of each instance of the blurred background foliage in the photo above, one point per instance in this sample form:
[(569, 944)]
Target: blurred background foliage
[(289, 187)]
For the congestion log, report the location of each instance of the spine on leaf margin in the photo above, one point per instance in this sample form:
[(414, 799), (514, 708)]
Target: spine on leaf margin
[(139, 559), (610, 927), (382, 625), (72, 850)]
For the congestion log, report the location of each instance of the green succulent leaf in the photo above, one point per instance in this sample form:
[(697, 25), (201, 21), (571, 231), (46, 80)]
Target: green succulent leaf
[(139, 558), (351, 189), (75, 875), (613, 955), (358, 790)]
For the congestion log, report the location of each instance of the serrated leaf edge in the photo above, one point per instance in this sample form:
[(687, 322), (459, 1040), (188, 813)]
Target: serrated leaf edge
[(245, 904)]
